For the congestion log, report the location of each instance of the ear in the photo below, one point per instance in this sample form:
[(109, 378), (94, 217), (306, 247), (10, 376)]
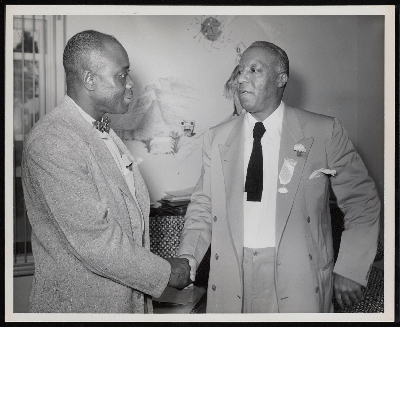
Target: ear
[(282, 80), (88, 80)]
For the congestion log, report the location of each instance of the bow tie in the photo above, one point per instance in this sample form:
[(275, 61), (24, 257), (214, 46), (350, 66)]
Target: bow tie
[(103, 124)]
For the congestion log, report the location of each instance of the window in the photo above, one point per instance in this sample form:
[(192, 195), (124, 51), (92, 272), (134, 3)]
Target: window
[(29, 106), (39, 85)]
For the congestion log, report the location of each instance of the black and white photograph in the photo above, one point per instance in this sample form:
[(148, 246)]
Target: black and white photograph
[(200, 164)]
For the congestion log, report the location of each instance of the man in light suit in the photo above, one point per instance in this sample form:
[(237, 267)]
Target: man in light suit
[(263, 203), (86, 200)]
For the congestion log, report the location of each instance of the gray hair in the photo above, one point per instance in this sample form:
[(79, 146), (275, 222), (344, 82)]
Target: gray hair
[(282, 58), (230, 86)]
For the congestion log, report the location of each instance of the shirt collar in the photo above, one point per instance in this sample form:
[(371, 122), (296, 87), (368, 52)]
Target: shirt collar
[(273, 123), (89, 119)]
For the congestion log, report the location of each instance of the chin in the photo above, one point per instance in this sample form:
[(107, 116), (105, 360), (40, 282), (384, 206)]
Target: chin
[(247, 107), (122, 110)]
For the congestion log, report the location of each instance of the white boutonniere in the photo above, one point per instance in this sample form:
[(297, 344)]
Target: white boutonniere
[(286, 173), (300, 149), (130, 160), (127, 161)]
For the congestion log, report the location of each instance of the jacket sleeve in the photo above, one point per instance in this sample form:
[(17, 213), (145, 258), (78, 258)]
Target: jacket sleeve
[(58, 176), (358, 199), (196, 235)]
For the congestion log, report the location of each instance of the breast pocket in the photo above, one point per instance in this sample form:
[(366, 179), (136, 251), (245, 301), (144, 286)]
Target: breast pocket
[(316, 194)]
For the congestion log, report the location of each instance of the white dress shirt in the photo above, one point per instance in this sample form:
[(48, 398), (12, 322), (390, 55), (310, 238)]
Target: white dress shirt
[(121, 161), (259, 217)]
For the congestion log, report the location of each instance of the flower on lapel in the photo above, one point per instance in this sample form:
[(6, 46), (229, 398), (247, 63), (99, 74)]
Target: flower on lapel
[(299, 148)]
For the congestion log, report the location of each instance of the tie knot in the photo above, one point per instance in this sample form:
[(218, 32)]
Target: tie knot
[(258, 130), (103, 124)]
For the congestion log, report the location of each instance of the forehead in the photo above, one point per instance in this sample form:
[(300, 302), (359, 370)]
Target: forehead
[(254, 55), (115, 55)]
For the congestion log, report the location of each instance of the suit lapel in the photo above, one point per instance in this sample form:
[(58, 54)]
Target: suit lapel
[(141, 191), (291, 135), (99, 150), (232, 156)]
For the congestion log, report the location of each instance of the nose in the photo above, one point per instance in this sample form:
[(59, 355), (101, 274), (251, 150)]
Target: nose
[(241, 77), (129, 82)]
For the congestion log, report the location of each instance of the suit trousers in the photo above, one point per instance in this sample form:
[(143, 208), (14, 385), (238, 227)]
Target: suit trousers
[(259, 290)]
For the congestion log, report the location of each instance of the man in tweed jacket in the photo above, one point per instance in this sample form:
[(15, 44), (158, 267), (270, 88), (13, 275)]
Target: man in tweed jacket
[(86, 200)]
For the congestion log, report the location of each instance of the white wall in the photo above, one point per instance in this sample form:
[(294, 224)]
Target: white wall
[(336, 68)]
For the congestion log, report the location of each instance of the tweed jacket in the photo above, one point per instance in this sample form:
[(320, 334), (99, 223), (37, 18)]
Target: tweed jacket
[(304, 258), (91, 255)]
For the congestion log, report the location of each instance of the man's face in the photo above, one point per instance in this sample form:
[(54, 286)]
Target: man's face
[(259, 90), (113, 91)]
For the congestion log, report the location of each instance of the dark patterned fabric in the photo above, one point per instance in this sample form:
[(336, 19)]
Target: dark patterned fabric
[(374, 300), (165, 235)]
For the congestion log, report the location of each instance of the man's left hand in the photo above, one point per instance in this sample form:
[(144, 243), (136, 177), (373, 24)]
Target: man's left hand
[(347, 291)]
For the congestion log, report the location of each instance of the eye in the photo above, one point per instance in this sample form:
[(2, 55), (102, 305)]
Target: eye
[(124, 74)]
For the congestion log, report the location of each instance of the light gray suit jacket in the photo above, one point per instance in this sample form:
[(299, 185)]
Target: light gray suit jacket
[(304, 259), (90, 253)]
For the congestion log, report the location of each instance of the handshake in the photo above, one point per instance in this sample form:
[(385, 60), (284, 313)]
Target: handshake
[(180, 273)]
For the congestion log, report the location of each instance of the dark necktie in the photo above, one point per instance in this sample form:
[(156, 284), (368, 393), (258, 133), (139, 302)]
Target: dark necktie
[(103, 124), (254, 177)]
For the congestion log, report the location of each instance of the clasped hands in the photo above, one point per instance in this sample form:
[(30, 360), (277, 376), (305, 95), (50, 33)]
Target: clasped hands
[(180, 273)]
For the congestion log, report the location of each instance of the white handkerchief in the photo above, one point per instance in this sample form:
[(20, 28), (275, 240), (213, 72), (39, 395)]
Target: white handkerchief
[(321, 172)]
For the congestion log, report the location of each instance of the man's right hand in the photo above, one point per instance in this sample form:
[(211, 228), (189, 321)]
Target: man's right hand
[(180, 273)]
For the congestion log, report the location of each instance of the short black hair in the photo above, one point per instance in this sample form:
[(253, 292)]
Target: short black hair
[(283, 60), (78, 51)]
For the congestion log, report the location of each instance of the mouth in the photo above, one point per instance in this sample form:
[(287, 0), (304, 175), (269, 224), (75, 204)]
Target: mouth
[(244, 92), (129, 96)]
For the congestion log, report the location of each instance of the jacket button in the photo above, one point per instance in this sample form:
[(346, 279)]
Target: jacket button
[(317, 290), (216, 256), (213, 287), (308, 219), (310, 256), (215, 218)]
